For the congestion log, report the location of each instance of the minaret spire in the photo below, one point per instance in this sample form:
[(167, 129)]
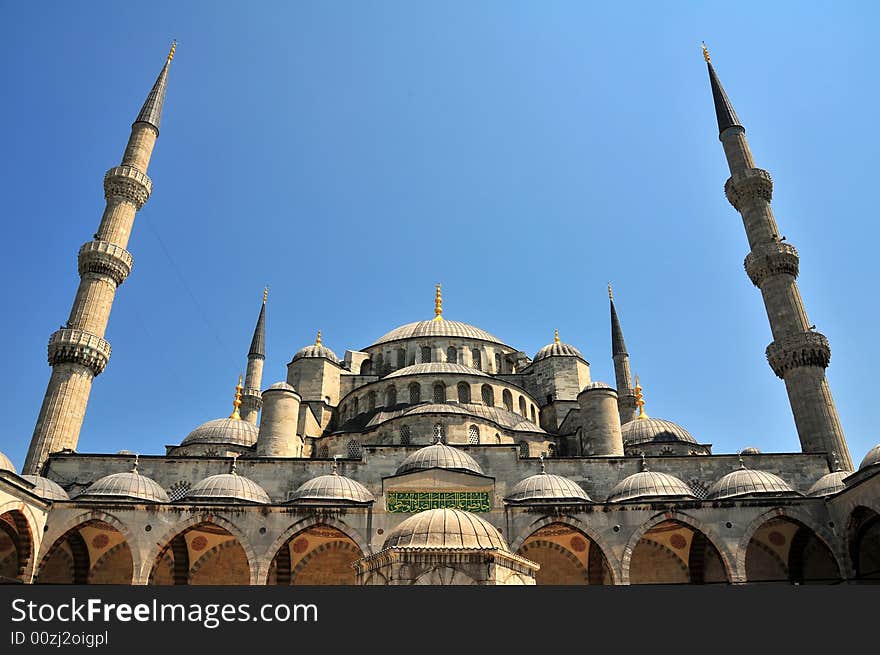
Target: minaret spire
[(798, 354), (251, 401), (78, 351), (626, 399)]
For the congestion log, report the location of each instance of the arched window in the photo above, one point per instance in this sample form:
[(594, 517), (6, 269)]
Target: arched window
[(473, 435), (488, 395), (390, 396), (523, 448), (464, 392), (439, 392), (415, 393), (380, 362), (371, 401), (452, 355), (401, 357), (534, 419), (476, 360), (366, 367), (404, 435), (426, 354), (439, 433), (354, 407), (507, 399), (354, 449), (497, 438), (498, 362), (522, 406)]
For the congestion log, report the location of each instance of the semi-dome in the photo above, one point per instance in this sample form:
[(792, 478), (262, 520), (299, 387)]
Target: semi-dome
[(649, 484), (439, 456), (748, 482), (548, 488), (871, 457), (332, 488), (557, 349), (828, 484), (130, 485), (229, 487), (435, 328), (446, 528), (644, 430), (46, 488), (223, 431), (6, 464), (433, 368)]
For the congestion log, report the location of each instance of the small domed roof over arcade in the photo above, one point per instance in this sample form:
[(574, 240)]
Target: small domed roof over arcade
[(644, 429), (557, 349), (227, 487), (830, 483), (649, 484), (229, 430), (748, 482), (333, 488), (871, 457), (545, 487), (46, 488), (6, 464), (445, 528), (316, 350), (130, 485), (439, 456)]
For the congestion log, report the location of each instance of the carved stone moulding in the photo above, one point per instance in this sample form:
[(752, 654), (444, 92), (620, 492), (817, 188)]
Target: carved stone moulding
[(69, 345), (796, 350)]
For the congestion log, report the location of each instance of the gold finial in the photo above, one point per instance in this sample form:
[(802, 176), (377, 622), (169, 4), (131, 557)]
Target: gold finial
[(171, 52), (543, 465), (335, 465), (265, 295), (640, 401), (644, 462), (318, 339), (237, 402), (556, 335), (233, 464), (438, 304), (706, 53), (610, 292)]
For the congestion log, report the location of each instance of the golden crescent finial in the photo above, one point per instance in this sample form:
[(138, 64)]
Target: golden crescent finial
[(610, 292), (237, 402), (556, 336), (438, 304), (171, 52), (706, 53), (640, 400), (318, 339), (265, 295)]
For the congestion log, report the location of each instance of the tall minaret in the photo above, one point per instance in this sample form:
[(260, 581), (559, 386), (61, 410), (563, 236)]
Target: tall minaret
[(78, 351), (626, 398), (251, 400), (798, 354)]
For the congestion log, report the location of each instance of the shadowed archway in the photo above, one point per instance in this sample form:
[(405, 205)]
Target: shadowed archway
[(673, 552), (201, 554), (93, 552), (567, 556), (783, 549), (317, 555)]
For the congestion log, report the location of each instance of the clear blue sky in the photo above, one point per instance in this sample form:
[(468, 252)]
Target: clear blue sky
[(352, 154)]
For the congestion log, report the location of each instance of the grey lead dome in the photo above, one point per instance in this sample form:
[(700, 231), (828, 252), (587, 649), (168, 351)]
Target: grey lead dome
[(649, 484), (46, 488), (224, 431), (653, 430), (871, 457), (557, 350), (227, 487), (130, 485), (748, 482), (332, 487), (547, 487), (432, 328), (448, 529), (828, 484), (439, 456), (6, 464), (316, 351)]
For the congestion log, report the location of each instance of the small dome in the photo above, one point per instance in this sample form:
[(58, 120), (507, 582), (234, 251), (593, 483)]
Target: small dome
[(433, 328), (432, 368), (282, 385), (750, 450), (46, 488), (546, 487), (316, 350), (224, 431), (445, 529), (748, 482), (6, 464), (597, 385), (332, 487), (227, 487), (828, 484), (130, 485), (557, 349), (872, 457), (644, 430), (649, 484), (439, 456)]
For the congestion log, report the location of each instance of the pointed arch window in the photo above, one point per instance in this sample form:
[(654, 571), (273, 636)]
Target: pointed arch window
[(390, 396), (473, 435), (488, 395), (464, 392), (439, 392), (522, 406)]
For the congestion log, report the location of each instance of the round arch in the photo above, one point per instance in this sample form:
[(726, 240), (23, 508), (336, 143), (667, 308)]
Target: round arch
[(863, 541), (299, 553), (91, 548), (18, 563)]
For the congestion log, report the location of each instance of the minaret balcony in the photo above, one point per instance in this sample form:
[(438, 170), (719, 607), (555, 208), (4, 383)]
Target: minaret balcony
[(768, 259), (105, 258), (743, 188), (797, 350), (128, 183), (69, 345)]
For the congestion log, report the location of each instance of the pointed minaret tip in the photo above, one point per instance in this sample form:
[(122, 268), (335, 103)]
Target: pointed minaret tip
[(171, 52), (318, 339), (151, 112), (706, 53), (724, 111), (610, 292), (258, 342), (265, 294), (618, 345)]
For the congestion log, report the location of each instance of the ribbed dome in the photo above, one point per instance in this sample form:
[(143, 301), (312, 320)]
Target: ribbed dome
[(316, 350), (435, 367), (431, 328), (597, 385), (557, 350), (332, 487), (649, 484), (225, 431), (644, 430), (748, 482), (6, 464), (227, 487), (447, 529), (441, 456), (282, 385), (872, 457), (46, 488), (547, 487), (130, 485), (828, 484), (750, 450)]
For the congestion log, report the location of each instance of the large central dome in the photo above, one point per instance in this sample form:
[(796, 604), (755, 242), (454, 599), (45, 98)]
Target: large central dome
[(435, 328)]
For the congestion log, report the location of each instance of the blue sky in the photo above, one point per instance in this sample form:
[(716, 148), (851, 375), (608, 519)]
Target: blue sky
[(352, 154)]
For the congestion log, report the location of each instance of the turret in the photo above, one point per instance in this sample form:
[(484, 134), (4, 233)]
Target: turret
[(279, 422), (600, 420)]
